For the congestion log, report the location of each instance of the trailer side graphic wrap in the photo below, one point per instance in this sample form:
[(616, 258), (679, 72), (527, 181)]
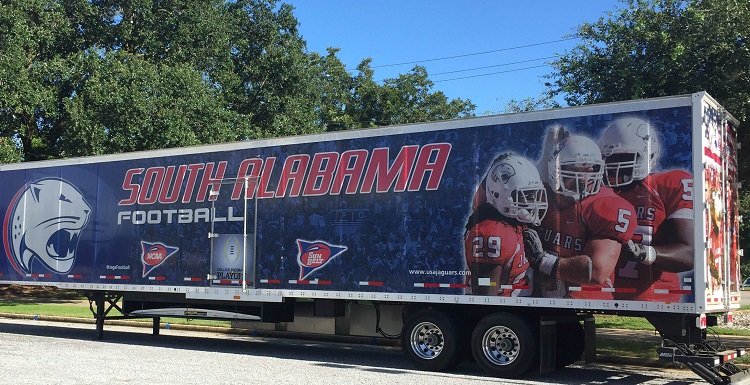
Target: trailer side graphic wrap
[(720, 212), (582, 207)]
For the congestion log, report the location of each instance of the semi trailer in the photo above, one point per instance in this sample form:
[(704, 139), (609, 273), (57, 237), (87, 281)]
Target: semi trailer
[(498, 237)]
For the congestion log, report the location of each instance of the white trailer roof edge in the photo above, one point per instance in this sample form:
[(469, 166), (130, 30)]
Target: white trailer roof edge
[(560, 113)]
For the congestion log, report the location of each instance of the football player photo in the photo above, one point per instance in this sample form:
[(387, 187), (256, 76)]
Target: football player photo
[(577, 245), (514, 198), (663, 240)]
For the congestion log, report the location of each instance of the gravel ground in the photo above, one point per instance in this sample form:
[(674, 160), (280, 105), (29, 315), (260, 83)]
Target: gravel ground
[(40, 352), (740, 321)]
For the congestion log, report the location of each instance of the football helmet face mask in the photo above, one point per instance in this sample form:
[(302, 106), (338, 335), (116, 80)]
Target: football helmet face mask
[(630, 148), (576, 167), (514, 188)]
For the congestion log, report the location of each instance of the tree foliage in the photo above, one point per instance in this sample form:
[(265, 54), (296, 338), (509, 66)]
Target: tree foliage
[(651, 48), (83, 77), (359, 101), (9, 151)]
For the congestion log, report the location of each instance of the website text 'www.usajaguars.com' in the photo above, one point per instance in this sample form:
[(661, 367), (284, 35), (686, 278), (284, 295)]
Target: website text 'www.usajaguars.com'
[(440, 273)]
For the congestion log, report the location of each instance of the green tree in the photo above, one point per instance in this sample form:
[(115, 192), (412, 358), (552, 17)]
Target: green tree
[(651, 48), (35, 39), (83, 77), (128, 104), (335, 89), (407, 98), (545, 101), (9, 151), (274, 76)]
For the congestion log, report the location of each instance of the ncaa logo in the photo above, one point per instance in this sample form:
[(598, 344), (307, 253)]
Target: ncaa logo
[(154, 254)]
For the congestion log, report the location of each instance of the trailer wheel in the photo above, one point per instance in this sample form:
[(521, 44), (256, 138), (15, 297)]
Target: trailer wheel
[(431, 341), (570, 343), (504, 345)]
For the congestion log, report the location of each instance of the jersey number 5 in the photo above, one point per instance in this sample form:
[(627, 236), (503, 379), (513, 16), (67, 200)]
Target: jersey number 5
[(623, 220)]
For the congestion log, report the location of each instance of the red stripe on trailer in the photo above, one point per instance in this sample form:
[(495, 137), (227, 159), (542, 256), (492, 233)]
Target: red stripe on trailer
[(707, 151), (39, 275), (114, 277), (371, 283), (308, 282), (603, 289), (75, 276), (273, 281), (591, 288), (193, 279), (157, 278)]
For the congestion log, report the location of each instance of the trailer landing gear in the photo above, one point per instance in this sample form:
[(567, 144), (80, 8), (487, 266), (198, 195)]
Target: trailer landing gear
[(684, 341), (104, 302)]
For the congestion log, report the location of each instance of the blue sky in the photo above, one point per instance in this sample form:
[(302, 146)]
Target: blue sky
[(409, 31)]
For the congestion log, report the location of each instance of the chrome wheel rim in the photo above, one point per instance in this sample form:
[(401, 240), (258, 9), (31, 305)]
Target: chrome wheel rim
[(427, 340), (500, 345)]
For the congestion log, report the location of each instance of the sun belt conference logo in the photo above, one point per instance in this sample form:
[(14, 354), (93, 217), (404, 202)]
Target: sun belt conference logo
[(43, 222), (312, 256), (154, 254)]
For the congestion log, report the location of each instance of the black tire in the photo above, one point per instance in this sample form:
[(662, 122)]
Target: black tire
[(504, 345), (570, 343), (432, 341)]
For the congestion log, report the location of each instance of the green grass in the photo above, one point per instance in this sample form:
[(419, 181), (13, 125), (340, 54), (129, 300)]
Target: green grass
[(625, 348), (644, 349), (639, 323), (638, 349), (619, 322), (83, 311), (52, 309)]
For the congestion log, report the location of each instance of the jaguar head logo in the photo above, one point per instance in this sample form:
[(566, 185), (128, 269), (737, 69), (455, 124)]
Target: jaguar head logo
[(43, 222)]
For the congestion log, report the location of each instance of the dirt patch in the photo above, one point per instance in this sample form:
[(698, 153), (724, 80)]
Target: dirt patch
[(39, 294)]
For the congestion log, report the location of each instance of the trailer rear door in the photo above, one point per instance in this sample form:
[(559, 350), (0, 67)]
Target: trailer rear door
[(720, 206)]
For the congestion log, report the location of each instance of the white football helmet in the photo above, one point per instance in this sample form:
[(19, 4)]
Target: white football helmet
[(576, 167), (630, 148), (514, 188)]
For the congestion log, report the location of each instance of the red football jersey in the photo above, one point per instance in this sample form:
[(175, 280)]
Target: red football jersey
[(565, 233), (656, 198), (496, 242)]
